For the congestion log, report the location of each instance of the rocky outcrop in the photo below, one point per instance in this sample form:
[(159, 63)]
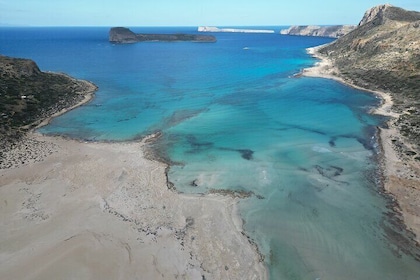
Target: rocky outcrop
[(122, 35), (372, 13), (382, 13), (333, 31), (383, 53)]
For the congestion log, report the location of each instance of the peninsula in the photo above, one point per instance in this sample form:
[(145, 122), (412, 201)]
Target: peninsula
[(332, 31), (122, 35), (28, 96), (382, 55)]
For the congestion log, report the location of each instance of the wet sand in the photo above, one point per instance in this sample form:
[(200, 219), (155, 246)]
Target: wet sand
[(401, 173)]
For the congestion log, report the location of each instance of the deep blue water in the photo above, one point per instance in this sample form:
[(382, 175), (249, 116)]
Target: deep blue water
[(234, 117)]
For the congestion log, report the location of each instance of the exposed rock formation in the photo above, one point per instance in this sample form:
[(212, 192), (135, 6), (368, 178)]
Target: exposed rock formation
[(122, 35), (372, 13), (383, 53), (334, 31)]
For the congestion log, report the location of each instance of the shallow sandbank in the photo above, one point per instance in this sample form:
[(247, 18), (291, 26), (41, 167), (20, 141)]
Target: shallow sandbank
[(103, 211)]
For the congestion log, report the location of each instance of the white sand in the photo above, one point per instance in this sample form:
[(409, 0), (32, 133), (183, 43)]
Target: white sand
[(102, 211)]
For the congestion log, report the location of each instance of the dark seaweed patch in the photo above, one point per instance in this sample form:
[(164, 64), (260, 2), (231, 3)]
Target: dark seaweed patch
[(332, 141), (245, 153)]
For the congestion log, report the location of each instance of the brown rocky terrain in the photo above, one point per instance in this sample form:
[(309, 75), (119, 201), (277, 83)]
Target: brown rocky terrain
[(383, 54), (333, 31)]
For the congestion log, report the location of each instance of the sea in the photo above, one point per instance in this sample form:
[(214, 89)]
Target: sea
[(235, 116)]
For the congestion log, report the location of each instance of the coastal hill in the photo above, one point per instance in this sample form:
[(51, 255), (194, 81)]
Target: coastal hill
[(333, 31), (122, 35), (28, 95), (383, 54)]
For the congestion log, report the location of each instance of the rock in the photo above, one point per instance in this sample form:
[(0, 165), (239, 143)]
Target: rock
[(334, 31), (122, 35), (18, 67), (383, 54), (373, 13)]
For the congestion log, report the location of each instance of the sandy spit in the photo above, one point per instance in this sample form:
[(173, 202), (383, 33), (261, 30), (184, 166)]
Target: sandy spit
[(402, 174), (78, 210), (103, 211)]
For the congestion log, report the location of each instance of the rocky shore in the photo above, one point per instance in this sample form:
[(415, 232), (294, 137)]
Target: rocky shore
[(401, 173), (381, 56)]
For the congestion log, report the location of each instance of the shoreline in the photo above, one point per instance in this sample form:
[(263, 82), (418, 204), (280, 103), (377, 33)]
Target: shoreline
[(401, 175), (124, 220), (89, 94)]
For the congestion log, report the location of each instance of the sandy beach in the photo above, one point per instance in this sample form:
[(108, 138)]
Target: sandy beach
[(401, 173), (103, 211), (76, 210)]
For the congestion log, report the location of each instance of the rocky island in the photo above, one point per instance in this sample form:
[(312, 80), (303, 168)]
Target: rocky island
[(333, 31), (122, 35), (382, 55)]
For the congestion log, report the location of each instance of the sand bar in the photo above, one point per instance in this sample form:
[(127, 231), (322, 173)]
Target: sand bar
[(103, 211)]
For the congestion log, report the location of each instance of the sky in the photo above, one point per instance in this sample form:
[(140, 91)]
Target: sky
[(187, 12)]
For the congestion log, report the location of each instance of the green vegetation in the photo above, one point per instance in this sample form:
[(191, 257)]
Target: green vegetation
[(28, 95)]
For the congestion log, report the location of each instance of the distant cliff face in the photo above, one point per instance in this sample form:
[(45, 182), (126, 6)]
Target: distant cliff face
[(122, 35), (334, 31), (383, 53)]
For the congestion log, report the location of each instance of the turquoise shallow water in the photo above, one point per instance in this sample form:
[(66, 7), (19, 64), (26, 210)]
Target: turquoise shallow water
[(233, 117)]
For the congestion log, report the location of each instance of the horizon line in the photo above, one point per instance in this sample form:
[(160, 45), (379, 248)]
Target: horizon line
[(209, 25)]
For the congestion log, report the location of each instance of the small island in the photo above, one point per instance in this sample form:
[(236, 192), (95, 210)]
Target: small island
[(123, 35), (232, 30)]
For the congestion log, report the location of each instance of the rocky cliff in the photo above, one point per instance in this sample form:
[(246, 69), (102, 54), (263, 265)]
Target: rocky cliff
[(333, 31), (122, 35), (383, 53)]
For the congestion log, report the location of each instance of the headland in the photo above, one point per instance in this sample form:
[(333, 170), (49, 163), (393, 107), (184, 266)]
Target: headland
[(380, 57), (333, 31)]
